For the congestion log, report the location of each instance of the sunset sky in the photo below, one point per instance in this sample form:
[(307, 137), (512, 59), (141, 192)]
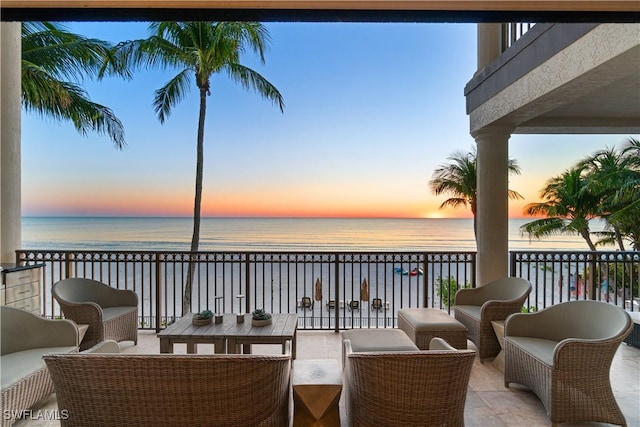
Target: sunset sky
[(371, 111)]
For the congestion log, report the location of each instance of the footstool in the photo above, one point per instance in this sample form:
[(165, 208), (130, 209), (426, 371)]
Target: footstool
[(317, 385), (422, 324), (378, 340)]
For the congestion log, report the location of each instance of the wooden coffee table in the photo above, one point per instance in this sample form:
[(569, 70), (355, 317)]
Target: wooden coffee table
[(182, 331), (283, 328), (230, 336)]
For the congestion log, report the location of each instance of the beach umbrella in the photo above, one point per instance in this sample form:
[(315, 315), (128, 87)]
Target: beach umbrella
[(364, 290), (318, 293)]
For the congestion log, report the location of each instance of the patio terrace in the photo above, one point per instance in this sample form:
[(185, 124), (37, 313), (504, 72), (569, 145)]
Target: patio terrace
[(489, 403)]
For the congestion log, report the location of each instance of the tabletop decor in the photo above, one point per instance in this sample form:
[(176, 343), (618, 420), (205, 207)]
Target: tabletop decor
[(218, 310), (203, 318), (240, 314), (260, 318)]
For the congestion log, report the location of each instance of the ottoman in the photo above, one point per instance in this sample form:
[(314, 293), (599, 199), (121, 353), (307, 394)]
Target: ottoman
[(422, 324), (634, 337), (378, 340)]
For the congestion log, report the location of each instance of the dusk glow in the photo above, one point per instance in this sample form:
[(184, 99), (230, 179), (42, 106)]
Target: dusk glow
[(371, 111)]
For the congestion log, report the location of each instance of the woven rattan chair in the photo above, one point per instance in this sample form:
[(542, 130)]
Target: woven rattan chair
[(564, 354), (172, 390), (112, 314), (409, 388), (24, 338), (476, 308)]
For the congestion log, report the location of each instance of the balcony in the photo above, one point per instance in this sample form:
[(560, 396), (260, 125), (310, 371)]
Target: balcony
[(488, 403), (257, 275)]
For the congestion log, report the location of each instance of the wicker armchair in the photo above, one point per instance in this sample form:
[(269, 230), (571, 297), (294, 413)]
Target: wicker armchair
[(476, 308), (409, 388), (564, 354), (172, 390), (24, 338), (112, 314)]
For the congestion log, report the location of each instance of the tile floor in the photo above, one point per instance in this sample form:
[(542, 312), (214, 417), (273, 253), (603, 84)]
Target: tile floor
[(489, 403)]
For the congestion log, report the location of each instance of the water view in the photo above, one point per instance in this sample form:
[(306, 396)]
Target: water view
[(272, 234)]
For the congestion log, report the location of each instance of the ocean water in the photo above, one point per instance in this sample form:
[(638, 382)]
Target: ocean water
[(271, 234)]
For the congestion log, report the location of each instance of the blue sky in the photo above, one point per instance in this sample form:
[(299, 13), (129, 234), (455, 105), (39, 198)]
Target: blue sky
[(371, 111)]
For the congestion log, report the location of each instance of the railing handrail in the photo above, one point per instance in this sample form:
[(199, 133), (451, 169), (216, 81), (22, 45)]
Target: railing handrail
[(278, 280)]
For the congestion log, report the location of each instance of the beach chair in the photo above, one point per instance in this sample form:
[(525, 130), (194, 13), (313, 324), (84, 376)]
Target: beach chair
[(353, 305), (376, 304), (331, 304), (306, 303)]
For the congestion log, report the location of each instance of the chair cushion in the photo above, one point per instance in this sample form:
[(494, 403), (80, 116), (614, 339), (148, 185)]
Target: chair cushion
[(472, 310), (539, 348), (430, 319), (109, 313), (19, 365), (363, 340)]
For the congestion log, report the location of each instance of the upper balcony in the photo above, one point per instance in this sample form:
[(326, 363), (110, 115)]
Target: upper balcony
[(557, 78)]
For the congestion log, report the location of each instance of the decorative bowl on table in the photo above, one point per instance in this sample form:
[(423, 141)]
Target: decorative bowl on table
[(203, 318), (260, 318)]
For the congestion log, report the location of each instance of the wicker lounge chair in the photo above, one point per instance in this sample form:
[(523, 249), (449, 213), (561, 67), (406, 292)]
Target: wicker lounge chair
[(564, 354), (172, 390), (112, 314), (476, 308), (25, 337), (408, 388)]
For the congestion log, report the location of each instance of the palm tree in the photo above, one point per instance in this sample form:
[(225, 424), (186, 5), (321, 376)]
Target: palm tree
[(609, 171), (50, 57), (459, 179), (198, 50), (567, 204), (627, 196)]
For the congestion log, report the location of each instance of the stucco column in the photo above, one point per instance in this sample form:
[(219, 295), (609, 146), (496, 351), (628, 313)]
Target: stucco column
[(489, 43), (10, 200), (493, 204)]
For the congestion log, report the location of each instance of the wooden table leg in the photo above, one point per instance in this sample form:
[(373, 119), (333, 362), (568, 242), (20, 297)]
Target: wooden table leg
[(166, 346), (246, 348), (219, 346), (232, 346)]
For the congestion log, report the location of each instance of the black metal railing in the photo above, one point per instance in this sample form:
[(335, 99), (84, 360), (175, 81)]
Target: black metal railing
[(332, 290), (328, 290), (512, 31), (558, 276)]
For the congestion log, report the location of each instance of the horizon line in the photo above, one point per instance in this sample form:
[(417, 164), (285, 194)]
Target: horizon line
[(256, 217)]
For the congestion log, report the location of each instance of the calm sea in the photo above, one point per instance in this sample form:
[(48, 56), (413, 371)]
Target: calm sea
[(271, 234)]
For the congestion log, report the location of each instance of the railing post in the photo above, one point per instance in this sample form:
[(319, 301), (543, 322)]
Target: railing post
[(336, 328), (425, 290), (68, 269), (592, 275), (247, 286), (159, 262)]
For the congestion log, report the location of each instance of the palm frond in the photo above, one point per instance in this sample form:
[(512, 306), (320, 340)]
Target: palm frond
[(545, 227), (454, 202), (171, 94), (250, 79)]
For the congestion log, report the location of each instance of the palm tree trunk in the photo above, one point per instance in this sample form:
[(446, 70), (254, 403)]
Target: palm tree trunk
[(195, 239), (587, 237), (619, 240)]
